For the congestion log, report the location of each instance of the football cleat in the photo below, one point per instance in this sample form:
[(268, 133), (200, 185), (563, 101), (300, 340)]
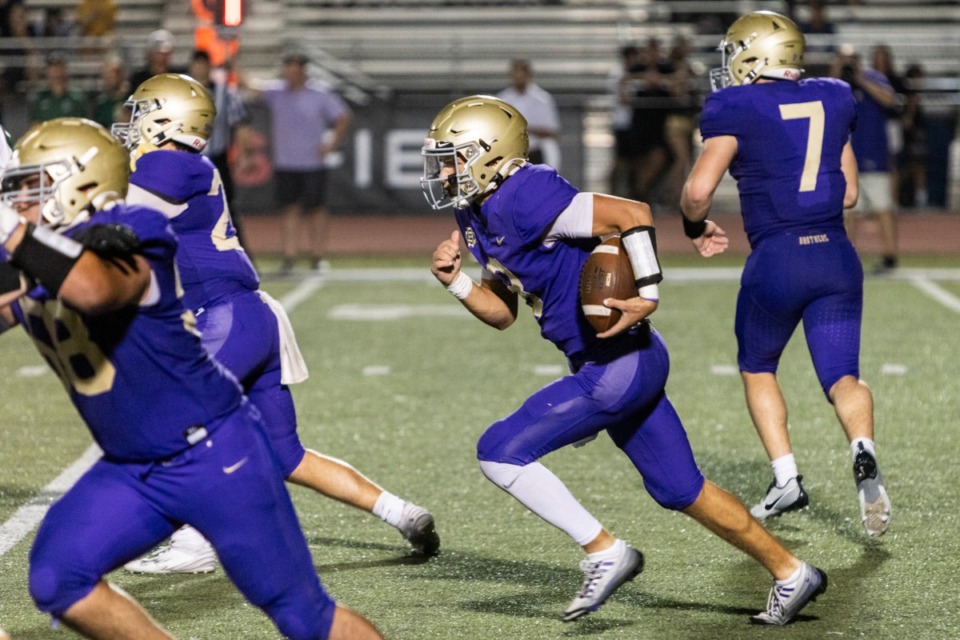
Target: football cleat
[(417, 527), (171, 558), (786, 600), (875, 508), (779, 500), (601, 579)]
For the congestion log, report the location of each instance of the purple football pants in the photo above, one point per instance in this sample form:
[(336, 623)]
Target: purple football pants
[(816, 278), (227, 486), (243, 336), (620, 392)]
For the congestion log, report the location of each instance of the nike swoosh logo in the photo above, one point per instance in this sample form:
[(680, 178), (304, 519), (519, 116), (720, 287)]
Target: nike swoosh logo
[(500, 240), (235, 466)]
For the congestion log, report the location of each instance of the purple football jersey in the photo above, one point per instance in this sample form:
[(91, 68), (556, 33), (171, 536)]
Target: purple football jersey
[(506, 236), (870, 141), (187, 188), (138, 376), (790, 138)]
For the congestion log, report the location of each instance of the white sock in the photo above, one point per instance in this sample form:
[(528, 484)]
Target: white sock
[(388, 508), (793, 577), (186, 537), (614, 551), (784, 468), (539, 490), (868, 446)]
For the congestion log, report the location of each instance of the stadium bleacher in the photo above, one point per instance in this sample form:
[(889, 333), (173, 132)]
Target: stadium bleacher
[(373, 49)]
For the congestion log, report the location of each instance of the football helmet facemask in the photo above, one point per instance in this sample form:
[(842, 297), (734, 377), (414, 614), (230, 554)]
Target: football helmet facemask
[(762, 44), (473, 144), (71, 167), (169, 106)]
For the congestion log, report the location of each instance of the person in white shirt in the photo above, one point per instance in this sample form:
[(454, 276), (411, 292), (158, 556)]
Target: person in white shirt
[(540, 110)]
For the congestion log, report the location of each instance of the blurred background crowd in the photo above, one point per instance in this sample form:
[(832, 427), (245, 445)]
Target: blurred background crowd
[(615, 87)]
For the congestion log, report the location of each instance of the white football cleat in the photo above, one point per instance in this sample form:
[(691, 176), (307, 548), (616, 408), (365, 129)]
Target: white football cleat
[(417, 527), (875, 508), (194, 556), (786, 601), (601, 579), (779, 500)]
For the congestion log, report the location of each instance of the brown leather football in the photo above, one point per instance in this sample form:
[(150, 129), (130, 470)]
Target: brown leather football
[(606, 274)]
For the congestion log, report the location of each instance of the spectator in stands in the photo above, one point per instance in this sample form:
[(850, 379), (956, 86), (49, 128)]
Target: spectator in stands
[(231, 114), (159, 53), (20, 68), (5, 7), (58, 100), (53, 24), (881, 59), (621, 121), (96, 18), (309, 122), (108, 101), (653, 103), (680, 122), (874, 97), (819, 32), (539, 108), (912, 162)]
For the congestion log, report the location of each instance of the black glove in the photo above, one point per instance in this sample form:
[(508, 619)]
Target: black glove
[(114, 242)]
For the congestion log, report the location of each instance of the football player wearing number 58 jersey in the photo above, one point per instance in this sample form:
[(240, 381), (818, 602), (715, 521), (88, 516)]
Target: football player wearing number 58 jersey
[(181, 443), (532, 231), (241, 326), (786, 141)]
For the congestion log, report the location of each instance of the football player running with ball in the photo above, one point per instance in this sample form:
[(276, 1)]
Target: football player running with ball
[(532, 232), (787, 143), (181, 444), (241, 326)]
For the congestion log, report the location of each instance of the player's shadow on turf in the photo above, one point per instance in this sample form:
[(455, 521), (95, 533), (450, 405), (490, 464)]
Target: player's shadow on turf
[(740, 477), (548, 588), (405, 557), (546, 605)]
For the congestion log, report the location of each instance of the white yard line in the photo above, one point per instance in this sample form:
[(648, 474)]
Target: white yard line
[(29, 515), (26, 518), (937, 292)]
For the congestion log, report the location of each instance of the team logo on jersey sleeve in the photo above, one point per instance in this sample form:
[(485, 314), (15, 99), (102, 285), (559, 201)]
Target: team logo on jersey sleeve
[(470, 237)]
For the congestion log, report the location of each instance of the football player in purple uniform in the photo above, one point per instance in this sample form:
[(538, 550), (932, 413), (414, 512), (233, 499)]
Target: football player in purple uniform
[(532, 232), (787, 143), (181, 443), (241, 326)]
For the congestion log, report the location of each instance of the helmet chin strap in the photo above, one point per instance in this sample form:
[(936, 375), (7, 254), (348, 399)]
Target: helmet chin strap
[(508, 169)]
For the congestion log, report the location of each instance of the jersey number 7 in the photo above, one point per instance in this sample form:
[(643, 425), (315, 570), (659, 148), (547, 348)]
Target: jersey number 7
[(811, 163)]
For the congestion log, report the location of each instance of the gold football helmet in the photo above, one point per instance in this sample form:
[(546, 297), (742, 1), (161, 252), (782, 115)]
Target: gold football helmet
[(169, 106), (71, 167), (762, 44), (473, 144)]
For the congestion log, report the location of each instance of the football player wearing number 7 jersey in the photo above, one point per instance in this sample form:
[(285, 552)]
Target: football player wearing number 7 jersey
[(786, 141), (247, 331), (533, 231), (181, 444)]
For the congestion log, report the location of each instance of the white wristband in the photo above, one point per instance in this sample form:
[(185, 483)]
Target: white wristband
[(461, 286), (650, 292), (9, 221)]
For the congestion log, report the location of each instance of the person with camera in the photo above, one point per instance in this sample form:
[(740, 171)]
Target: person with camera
[(874, 96)]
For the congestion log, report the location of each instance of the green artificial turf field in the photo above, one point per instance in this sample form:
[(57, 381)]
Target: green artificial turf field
[(402, 384)]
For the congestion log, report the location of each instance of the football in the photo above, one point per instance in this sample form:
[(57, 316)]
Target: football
[(606, 274)]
